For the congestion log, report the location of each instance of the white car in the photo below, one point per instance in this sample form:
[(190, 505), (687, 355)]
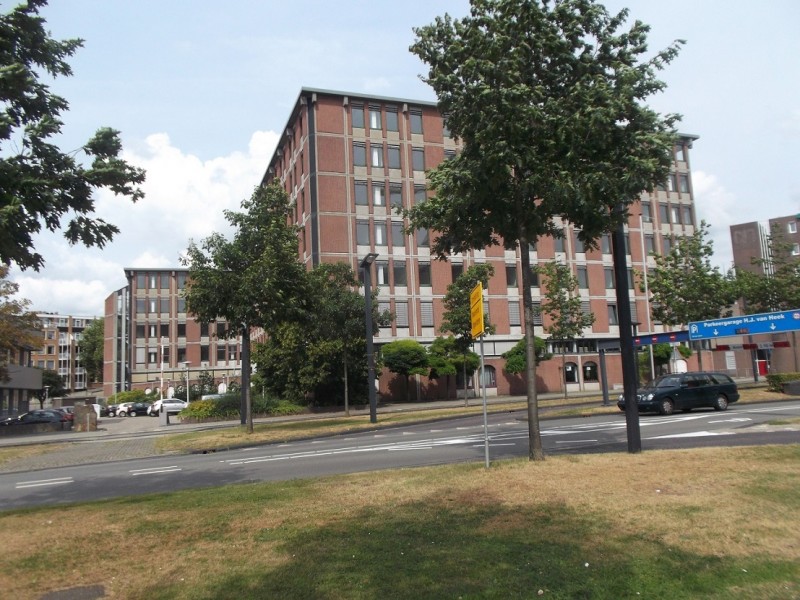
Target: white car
[(171, 405)]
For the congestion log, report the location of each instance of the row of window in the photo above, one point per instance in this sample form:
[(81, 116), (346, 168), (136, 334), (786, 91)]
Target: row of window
[(676, 182), (380, 229), (377, 191), (161, 330), (151, 356), (375, 116), (159, 305), (378, 160)]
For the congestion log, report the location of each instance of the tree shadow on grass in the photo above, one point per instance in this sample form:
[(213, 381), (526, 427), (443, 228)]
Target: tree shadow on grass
[(452, 549)]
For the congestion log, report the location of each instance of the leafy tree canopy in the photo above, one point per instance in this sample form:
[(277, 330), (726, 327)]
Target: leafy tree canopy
[(406, 358), (457, 317), (685, 287), (516, 358), (41, 185), (777, 286), (91, 349), (562, 303), (19, 327)]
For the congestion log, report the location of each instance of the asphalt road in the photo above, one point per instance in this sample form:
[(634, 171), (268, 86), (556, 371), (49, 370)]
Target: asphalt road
[(447, 441)]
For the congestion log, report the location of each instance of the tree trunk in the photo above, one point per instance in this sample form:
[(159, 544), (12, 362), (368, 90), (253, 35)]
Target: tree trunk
[(346, 391), (464, 366), (535, 450)]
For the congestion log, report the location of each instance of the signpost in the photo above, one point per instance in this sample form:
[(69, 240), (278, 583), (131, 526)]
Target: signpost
[(476, 318), (776, 322)]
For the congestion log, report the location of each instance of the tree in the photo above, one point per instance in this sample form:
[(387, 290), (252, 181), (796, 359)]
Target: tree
[(406, 358), (41, 184), (19, 328), (562, 304), (457, 318), (52, 387), (325, 352), (517, 358), (684, 287), (91, 348), (253, 280), (548, 100)]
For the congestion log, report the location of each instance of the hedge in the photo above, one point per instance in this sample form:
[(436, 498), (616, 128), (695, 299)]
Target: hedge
[(777, 380)]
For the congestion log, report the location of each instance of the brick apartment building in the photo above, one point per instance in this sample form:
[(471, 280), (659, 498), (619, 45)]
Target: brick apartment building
[(348, 159), (60, 348)]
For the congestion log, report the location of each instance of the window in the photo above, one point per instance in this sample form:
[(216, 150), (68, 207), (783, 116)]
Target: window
[(425, 274), (426, 314), (419, 194), (181, 305), (661, 187), (449, 154), (376, 155), (583, 278), (612, 315), (384, 307), (141, 281), (672, 184), (590, 371), (418, 159), (578, 243), (511, 276), (378, 194), (163, 330), (151, 281), (537, 313), (394, 156), (445, 127), (666, 245), (151, 331), (357, 115), (586, 307), (181, 355), (204, 353), (489, 377), (687, 215), (456, 270), (380, 234), (359, 154), (631, 280), (680, 152), (791, 227), (605, 244), (375, 117), (164, 281), (401, 313), (398, 238), (139, 334), (400, 278), (361, 193), (152, 357), (663, 213), (203, 329), (220, 353), (181, 281), (381, 272), (362, 233), (534, 277), (795, 249), (391, 119), (571, 372), (647, 216), (395, 195), (513, 313), (141, 305), (675, 214), (151, 305), (415, 115), (608, 272), (649, 244), (163, 305), (422, 238), (683, 181), (559, 242)]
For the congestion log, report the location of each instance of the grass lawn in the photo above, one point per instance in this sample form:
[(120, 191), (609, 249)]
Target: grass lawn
[(705, 523)]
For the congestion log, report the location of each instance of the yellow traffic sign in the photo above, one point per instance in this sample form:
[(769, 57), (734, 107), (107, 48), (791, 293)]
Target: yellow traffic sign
[(476, 310)]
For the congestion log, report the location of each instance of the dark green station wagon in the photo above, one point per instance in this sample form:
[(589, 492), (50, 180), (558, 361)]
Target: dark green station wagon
[(685, 391)]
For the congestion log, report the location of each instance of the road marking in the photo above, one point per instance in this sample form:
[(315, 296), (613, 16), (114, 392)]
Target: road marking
[(576, 442), (155, 470), (691, 435), (42, 482), (731, 421)]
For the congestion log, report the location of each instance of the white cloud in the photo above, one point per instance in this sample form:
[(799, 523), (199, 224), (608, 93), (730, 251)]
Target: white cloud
[(184, 199), (718, 207)]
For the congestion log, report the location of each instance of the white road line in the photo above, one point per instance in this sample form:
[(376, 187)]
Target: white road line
[(691, 435), (155, 470), (43, 482), (576, 442)]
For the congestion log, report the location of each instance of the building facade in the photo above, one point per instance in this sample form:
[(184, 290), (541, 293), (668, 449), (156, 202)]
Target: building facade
[(348, 160), (24, 380), (151, 342), (60, 349)]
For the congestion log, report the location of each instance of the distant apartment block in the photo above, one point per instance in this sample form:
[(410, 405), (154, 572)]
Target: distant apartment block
[(60, 348)]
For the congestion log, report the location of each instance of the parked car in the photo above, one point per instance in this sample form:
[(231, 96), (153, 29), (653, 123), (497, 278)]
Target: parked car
[(132, 409), (171, 405), (68, 411), (48, 415), (685, 391), (111, 410)]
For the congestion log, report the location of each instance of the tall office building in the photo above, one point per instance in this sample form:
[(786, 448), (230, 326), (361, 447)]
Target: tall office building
[(347, 160)]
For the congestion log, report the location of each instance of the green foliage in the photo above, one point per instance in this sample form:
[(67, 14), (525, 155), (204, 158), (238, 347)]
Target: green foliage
[(91, 349), (227, 407), (457, 317), (550, 103), (561, 302), (685, 287), (308, 356), (41, 184), (516, 359), (406, 358), (19, 327), (128, 396), (776, 381)]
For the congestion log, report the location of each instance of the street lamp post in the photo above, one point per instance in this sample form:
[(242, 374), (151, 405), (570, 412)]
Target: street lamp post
[(366, 264), (161, 378)]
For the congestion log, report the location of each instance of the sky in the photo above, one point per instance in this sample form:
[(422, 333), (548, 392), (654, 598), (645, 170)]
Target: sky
[(199, 88)]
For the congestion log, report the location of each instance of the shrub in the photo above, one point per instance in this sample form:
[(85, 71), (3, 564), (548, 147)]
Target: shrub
[(128, 396), (777, 380)]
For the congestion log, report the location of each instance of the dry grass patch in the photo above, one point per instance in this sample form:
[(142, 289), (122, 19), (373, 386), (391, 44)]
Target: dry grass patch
[(13, 453)]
